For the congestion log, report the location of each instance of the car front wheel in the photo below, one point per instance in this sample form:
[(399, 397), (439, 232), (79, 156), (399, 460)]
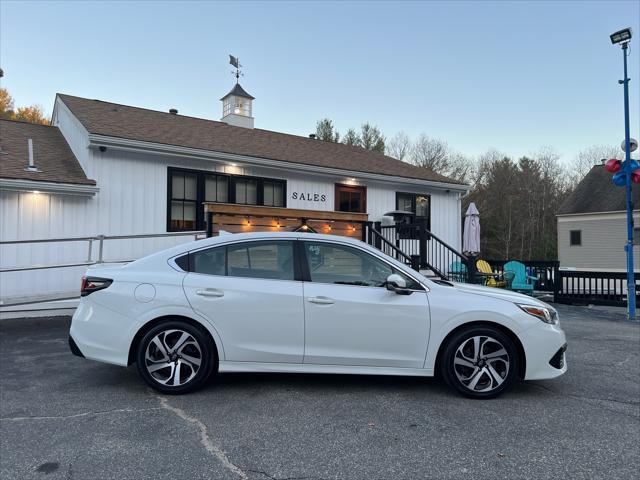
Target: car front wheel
[(479, 362), (175, 357)]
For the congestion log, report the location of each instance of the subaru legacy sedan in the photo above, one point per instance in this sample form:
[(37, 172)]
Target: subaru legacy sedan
[(308, 303)]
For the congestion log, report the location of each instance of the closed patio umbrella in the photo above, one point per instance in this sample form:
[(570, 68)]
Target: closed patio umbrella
[(471, 235)]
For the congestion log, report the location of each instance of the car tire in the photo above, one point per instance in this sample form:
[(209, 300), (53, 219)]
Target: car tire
[(175, 357), (479, 362)]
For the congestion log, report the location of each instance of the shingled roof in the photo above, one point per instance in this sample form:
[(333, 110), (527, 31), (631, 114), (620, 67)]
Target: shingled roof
[(597, 193), (115, 120), (54, 159)]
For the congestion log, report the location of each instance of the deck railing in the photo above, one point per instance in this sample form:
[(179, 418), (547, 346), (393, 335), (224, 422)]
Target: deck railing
[(597, 288)]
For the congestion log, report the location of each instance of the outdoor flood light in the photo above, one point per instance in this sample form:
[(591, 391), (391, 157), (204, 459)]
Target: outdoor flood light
[(621, 36)]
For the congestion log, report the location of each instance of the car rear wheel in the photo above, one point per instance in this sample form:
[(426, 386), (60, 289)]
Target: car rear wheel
[(175, 357), (479, 362)]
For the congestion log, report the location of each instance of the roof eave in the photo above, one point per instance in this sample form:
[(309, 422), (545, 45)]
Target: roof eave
[(97, 140), (24, 185)]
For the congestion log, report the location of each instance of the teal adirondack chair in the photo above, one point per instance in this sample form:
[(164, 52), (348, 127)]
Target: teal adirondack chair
[(458, 272), (521, 281)]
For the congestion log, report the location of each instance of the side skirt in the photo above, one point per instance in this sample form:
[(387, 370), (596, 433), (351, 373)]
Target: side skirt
[(226, 366)]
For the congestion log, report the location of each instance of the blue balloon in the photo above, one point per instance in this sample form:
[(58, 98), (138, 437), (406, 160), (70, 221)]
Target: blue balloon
[(634, 165), (619, 179)]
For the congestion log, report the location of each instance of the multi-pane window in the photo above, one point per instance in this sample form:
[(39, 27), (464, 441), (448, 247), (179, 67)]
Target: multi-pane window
[(246, 191), (189, 189), (216, 188), (273, 193), (184, 201), (351, 198)]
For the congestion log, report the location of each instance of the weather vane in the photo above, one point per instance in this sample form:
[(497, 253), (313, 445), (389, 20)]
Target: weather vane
[(236, 63)]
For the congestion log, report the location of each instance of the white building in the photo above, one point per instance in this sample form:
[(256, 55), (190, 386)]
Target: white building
[(107, 169)]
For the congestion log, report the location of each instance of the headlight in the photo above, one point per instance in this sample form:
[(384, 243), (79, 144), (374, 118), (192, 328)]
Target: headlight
[(547, 315)]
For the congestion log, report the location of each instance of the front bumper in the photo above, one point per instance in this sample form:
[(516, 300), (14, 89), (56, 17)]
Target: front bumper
[(545, 347)]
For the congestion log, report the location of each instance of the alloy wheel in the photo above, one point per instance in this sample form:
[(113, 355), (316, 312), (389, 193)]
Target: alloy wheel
[(481, 363), (173, 357)]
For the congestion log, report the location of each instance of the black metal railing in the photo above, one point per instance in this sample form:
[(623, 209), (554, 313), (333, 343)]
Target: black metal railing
[(375, 238), (544, 270), (597, 288), (424, 250)]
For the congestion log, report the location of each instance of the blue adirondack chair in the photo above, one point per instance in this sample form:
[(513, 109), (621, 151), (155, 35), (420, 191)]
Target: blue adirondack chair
[(458, 272), (521, 281)]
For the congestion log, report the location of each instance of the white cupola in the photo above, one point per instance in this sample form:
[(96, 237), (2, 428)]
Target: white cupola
[(236, 108)]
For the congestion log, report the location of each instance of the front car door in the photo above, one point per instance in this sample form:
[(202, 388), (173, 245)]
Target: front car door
[(350, 316), (249, 292)]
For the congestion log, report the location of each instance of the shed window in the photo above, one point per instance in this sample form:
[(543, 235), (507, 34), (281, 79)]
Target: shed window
[(575, 238)]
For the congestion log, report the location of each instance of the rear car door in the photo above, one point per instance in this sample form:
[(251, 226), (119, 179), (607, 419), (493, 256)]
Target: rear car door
[(350, 316), (249, 292)]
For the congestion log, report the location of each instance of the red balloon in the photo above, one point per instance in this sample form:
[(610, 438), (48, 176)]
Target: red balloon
[(613, 165), (635, 176)]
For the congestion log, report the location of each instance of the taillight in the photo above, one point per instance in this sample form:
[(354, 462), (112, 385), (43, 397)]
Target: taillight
[(93, 284)]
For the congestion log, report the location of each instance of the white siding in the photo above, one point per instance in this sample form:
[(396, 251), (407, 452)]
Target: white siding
[(603, 239)]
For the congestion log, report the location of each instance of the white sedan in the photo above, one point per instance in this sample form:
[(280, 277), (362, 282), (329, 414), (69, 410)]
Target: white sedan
[(300, 302)]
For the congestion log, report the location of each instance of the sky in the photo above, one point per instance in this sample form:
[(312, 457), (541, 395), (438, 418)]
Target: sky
[(515, 76)]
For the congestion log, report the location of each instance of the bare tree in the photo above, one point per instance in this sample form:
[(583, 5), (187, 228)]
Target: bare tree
[(429, 153), (399, 146), (587, 158), (436, 155)]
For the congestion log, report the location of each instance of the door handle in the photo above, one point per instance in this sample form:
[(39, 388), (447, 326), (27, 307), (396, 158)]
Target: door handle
[(321, 300), (210, 292)]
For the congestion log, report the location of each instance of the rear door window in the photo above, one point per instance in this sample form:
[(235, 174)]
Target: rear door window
[(268, 260)]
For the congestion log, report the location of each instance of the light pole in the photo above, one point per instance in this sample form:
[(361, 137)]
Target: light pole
[(623, 37)]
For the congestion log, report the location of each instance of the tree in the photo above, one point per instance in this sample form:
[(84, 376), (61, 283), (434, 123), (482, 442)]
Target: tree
[(436, 155), (371, 138), (352, 138), (587, 158), (6, 104), (399, 146), (32, 114), (325, 131)]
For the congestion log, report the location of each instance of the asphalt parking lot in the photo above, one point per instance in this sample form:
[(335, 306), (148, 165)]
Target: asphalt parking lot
[(63, 417)]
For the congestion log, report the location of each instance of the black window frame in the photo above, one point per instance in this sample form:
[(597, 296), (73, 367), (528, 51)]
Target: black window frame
[(416, 218), (200, 192), (572, 242)]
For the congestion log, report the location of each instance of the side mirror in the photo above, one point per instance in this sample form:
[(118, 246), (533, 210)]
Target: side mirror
[(395, 283)]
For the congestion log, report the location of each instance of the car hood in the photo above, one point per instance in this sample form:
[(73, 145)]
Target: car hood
[(499, 293)]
